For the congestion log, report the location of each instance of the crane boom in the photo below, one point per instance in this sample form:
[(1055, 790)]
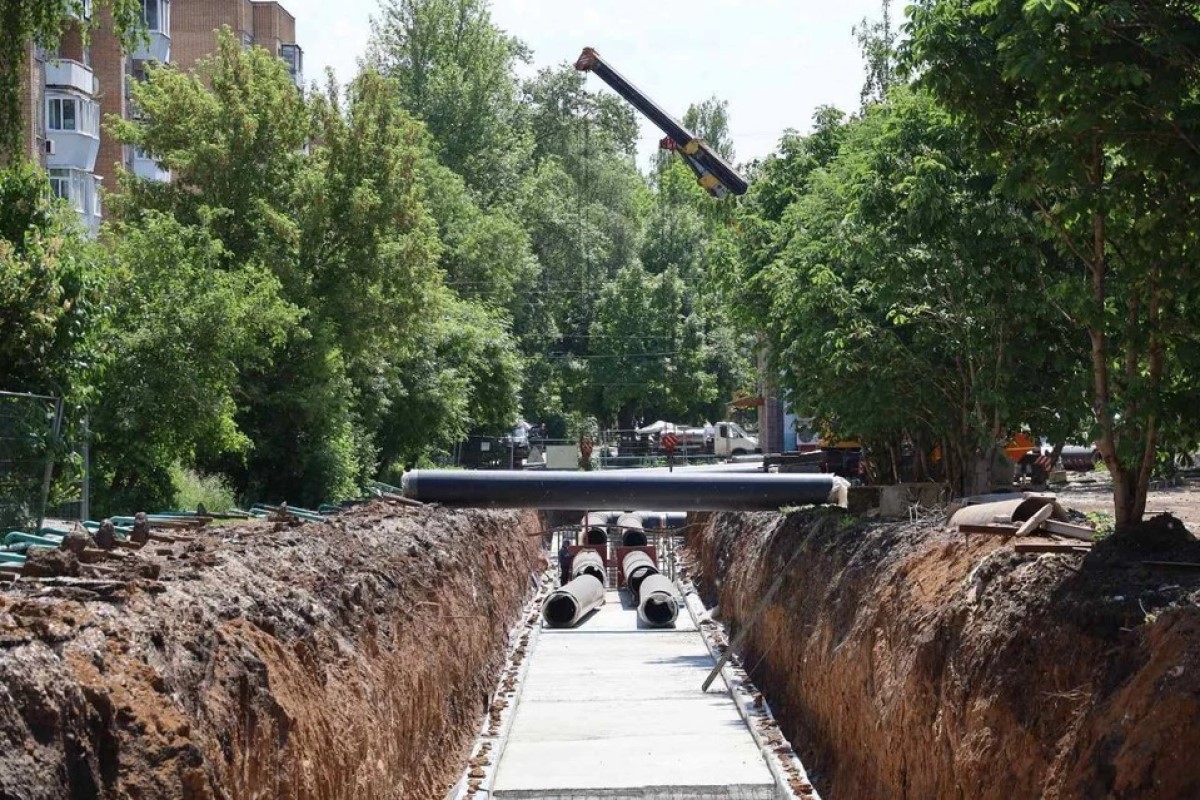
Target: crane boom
[(713, 173)]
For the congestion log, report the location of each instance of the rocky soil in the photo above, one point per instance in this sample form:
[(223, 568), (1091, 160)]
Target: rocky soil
[(907, 661), (265, 660)]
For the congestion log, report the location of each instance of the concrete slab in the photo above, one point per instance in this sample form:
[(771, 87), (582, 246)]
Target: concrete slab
[(608, 710)]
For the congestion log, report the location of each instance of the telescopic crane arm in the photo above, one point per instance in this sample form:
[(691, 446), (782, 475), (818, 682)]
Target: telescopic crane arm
[(711, 170)]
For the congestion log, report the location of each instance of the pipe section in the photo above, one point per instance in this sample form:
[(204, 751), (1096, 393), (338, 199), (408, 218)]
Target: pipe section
[(588, 562), (567, 605), (582, 490), (633, 532), (637, 566), (657, 605)]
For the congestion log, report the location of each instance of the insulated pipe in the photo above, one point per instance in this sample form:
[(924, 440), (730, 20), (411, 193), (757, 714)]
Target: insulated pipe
[(583, 490), (662, 520), (588, 562), (568, 604), (637, 566), (595, 526), (633, 533), (657, 605)]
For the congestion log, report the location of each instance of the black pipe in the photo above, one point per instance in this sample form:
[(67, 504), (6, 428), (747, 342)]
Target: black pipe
[(583, 490)]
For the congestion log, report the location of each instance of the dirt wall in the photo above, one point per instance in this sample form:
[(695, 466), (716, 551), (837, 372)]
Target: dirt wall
[(350, 660), (905, 661)]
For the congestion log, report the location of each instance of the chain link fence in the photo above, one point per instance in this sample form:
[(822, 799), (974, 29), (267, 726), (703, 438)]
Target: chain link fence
[(30, 442)]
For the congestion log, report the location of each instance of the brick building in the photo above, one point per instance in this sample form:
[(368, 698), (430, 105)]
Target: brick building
[(66, 94)]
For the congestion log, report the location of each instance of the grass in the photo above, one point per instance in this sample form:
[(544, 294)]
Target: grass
[(193, 489), (1103, 522)]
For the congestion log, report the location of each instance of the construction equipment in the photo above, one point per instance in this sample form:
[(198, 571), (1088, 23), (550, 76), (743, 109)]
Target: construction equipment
[(713, 173)]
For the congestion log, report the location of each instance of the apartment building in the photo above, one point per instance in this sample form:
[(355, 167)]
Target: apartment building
[(67, 94)]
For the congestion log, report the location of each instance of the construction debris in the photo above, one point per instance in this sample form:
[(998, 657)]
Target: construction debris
[(1026, 515)]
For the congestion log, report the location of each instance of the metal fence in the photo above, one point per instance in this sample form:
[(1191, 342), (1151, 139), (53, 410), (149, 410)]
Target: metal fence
[(30, 438)]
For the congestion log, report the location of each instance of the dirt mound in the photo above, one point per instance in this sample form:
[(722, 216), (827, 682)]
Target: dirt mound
[(348, 660), (906, 661)]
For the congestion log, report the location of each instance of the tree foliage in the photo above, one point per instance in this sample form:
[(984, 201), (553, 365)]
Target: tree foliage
[(1091, 115)]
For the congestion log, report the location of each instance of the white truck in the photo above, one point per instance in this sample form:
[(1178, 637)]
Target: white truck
[(723, 439)]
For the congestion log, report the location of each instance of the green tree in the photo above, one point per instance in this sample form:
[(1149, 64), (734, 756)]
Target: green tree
[(1091, 114), (52, 282), (455, 71), (188, 326), (899, 295)]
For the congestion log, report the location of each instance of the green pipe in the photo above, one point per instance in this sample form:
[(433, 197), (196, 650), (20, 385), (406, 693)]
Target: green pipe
[(20, 536)]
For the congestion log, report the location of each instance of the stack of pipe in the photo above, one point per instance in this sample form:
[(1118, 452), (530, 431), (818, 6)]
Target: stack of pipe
[(653, 592), (568, 604)]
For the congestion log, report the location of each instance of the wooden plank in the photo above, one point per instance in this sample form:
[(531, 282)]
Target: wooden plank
[(1050, 547), (998, 530), (1041, 515), (1083, 532)]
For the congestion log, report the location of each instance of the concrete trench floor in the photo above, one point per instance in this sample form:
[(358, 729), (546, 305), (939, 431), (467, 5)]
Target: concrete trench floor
[(612, 710)]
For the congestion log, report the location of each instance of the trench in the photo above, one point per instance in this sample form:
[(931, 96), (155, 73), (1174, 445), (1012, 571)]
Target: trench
[(905, 661), (345, 660)]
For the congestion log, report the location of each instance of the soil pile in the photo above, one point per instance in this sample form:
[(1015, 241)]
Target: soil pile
[(907, 661), (271, 659)]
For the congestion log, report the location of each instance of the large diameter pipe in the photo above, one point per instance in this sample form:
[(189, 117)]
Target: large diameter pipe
[(657, 605), (637, 566), (595, 525), (568, 604), (588, 562), (633, 532), (583, 490)]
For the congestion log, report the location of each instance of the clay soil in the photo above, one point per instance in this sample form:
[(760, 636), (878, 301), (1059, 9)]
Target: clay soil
[(266, 660), (908, 661)]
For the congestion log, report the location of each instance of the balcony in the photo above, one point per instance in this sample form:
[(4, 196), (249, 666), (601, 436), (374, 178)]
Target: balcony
[(157, 44), (73, 125), (81, 190), (148, 169), (64, 73), (293, 56)]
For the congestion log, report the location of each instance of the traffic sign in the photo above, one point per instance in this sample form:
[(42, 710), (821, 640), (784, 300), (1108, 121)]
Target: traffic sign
[(669, 442)]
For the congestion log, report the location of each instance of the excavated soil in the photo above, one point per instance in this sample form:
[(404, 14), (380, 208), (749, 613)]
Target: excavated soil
[(265, 660), (907, 661)]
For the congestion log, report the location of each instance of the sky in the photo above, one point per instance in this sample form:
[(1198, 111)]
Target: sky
[(774, 61)]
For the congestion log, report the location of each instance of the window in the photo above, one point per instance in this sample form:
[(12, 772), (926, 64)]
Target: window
[(72, 114), (60, 114), (293, 56), (157, 15), (60, 183), (247, 40)]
